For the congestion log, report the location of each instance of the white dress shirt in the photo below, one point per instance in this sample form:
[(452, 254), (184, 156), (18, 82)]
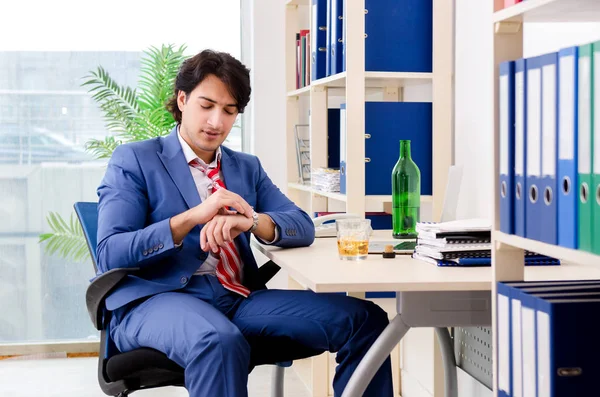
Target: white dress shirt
[(204, 186)]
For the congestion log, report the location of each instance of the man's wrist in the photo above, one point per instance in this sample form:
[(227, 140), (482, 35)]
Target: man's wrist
[(180, 225), (254, 222)]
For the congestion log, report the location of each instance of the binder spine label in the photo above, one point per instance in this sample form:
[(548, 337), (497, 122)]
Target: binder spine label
[(567, 112), (534, 121), (543, 354), (585, 150), (519, 120), (504, 125), (549, 121), (517, 367), (503, 344)]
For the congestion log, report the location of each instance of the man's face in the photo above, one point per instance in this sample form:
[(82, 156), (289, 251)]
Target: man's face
[(207, 115)]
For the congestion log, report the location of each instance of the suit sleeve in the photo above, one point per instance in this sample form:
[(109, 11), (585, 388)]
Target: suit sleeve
[(294, 226), (124, 239)]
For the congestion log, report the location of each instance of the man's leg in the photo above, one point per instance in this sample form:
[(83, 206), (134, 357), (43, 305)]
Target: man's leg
[(196, 336), (332, 322)]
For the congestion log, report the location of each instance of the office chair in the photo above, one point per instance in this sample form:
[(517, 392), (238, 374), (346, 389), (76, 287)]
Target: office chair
[(120, 374)]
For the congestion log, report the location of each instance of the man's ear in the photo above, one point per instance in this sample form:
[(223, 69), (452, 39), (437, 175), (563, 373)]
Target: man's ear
[(181, 99)]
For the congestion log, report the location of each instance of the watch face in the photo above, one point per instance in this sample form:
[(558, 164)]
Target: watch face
[(254, 220)]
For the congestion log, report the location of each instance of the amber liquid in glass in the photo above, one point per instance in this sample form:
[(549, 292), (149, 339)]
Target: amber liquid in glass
[(350, 247)]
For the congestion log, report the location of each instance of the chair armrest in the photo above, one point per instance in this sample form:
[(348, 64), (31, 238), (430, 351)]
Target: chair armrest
[(267, 271), (97, 291)]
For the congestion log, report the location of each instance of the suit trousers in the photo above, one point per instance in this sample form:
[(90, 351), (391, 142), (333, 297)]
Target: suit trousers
[(217, 336)]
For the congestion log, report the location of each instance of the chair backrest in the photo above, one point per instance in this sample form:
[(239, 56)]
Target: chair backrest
[(87, 213)]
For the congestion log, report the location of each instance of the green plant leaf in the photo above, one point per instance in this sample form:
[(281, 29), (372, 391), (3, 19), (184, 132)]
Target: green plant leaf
[(119, 104), (131, 115), (159, 70), (66, 238), (102, 149)]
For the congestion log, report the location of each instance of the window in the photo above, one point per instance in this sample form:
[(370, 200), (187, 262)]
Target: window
[(46, 117)]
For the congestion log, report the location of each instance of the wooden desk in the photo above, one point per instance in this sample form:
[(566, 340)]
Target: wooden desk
[(418, 285), (319, 268)]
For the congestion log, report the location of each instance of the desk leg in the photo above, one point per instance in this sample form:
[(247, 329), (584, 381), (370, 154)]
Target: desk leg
[(450, 386), (376, 355)]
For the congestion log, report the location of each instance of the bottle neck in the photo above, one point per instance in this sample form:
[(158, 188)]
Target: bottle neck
[(405, 149)]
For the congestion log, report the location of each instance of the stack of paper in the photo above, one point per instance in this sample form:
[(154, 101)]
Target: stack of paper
[(326, 180), (462, 243)]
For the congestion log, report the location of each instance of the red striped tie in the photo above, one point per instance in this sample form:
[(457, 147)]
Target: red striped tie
[(230, 265)]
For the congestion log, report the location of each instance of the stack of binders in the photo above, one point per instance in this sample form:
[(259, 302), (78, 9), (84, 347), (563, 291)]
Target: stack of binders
[(398, 35), (386, 123), (548, 137), (462, 243), (547, 342)]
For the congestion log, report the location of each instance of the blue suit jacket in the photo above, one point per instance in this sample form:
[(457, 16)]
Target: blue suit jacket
[(149, 182)]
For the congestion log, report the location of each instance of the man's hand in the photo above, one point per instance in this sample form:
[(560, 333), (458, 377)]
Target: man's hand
[(223, 229), (215, 204)]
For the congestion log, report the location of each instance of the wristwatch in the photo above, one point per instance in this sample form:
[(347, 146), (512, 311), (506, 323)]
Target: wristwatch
[(254, 221)]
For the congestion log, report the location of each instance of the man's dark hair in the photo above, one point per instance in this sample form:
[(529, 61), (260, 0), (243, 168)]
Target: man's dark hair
[(229, 70)]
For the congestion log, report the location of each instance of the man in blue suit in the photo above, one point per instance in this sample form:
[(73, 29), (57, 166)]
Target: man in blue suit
[(181, 209)]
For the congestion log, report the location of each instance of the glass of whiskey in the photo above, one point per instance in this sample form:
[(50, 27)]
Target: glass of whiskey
[(353, 238)]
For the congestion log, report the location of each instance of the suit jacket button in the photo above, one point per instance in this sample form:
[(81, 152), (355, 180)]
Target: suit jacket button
[(160, 246), (155, 248), (145, 253), (183, 280)]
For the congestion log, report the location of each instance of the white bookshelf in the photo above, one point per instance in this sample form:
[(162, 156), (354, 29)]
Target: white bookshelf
[(508, 250), (566, 254), (353, 87), (550, 11), (372, 203), (372, 80)]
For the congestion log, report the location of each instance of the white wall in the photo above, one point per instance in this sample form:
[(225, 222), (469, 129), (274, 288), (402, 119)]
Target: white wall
[(263, 49), (474, 85)]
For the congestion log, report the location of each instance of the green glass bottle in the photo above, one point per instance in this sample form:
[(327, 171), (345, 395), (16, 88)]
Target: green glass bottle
[(406, 194)]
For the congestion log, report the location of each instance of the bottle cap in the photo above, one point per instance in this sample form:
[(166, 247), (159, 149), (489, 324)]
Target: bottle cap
[(388, 251)]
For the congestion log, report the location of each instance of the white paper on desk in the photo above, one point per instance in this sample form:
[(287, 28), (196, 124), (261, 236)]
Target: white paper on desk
[(424, 258), (466, 225), (378, 247), (424, 248)]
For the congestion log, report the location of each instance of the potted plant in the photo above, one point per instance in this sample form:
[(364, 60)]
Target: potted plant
[(131, 115)]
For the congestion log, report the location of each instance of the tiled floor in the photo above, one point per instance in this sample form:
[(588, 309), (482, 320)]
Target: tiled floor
[(76, 377)]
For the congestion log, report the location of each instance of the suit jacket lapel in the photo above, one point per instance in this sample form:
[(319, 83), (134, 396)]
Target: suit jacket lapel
[(231, 172), (173, 159)]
